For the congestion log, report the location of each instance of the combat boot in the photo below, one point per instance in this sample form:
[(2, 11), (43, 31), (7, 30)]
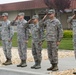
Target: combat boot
[(23, 63), (50, 68), (19, 65), (55, 67), (38, 66), (33, 67), (8, 62), (74, 73)]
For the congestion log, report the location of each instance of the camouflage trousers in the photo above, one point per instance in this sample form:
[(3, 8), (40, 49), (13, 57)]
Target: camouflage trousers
[(0, 35), (7, 48), (52, 52), (22, 49), (74, 43), (36, 51)]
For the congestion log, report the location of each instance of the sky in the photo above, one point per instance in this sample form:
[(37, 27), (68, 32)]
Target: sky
[(11, 1)]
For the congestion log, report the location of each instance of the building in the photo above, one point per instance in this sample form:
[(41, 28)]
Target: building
[(32, 7)]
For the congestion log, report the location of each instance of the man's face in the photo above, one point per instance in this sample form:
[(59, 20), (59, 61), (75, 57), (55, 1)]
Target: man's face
[(5, 18), (34, 20), (52, 15), (20, 17)]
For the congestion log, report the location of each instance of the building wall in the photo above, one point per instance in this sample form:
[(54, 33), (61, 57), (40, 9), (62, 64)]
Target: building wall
[(64, 16)]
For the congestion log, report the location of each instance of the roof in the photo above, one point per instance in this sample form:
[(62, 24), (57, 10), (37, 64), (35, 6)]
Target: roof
[(27, 5), (73, 4)]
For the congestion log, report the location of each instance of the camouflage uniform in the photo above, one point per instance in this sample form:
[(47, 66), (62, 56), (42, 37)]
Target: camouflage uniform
[(73, 22), (36, 39), (22, 37), (54, 33), (36, 33), (0, 32), (6, 34)]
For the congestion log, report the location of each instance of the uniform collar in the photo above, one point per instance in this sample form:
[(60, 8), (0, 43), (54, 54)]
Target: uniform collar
[(52, 20)]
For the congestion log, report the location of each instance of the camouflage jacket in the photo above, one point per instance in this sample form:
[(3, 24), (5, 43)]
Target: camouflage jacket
[(21, 30), (6, 30), (73, 23), (54, 30)]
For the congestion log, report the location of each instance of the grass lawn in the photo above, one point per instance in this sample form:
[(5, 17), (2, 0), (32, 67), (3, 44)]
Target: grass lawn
[(66, 43)]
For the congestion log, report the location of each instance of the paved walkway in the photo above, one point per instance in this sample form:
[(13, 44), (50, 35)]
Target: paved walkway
[(64, 64)]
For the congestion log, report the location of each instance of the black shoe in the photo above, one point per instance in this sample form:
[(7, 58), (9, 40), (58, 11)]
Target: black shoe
[(74, 72)]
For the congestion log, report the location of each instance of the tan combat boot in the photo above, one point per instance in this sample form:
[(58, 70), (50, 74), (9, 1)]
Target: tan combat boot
[(8, 62)]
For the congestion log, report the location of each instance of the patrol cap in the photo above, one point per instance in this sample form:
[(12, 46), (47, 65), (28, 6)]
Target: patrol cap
[(35, 17), (21, 14), (51, 11), (5, 14)]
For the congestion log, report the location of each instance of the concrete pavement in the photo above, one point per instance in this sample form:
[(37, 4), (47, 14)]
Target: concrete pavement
[(64, 64)]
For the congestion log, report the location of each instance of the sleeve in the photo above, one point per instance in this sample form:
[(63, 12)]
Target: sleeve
[(59, 31), (42, 23), (0, 23), (0, 32), (27, 34), (14, 23), (69, 20), (11, 31), (26, 25)]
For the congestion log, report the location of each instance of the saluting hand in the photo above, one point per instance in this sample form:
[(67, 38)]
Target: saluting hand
[(73, 16), (44, 17)]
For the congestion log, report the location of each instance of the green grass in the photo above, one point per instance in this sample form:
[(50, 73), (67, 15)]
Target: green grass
[(66, 43)]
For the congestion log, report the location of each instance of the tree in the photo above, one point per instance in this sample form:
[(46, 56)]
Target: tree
[(50, 3), (62, 4), (59, 5)]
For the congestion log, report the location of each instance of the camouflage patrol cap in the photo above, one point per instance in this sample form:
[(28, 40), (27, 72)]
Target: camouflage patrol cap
[(5, 14), (35, 17), (51, 11), (21, 14)]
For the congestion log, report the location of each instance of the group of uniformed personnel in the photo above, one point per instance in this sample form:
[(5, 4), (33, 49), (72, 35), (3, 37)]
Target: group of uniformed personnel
[(53, 36), (72, 21)]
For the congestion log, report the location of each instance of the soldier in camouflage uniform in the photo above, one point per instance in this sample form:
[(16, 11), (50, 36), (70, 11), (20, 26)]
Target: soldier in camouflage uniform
[(36, 41), (72, 21), (22, 39), (6, 35), (54, 33), (0, 32)]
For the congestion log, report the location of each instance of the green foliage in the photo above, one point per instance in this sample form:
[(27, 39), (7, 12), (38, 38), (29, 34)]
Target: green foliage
[(65, 44), (67, 34)]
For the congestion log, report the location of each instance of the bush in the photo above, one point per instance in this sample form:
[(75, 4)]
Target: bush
[(67, 34)]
